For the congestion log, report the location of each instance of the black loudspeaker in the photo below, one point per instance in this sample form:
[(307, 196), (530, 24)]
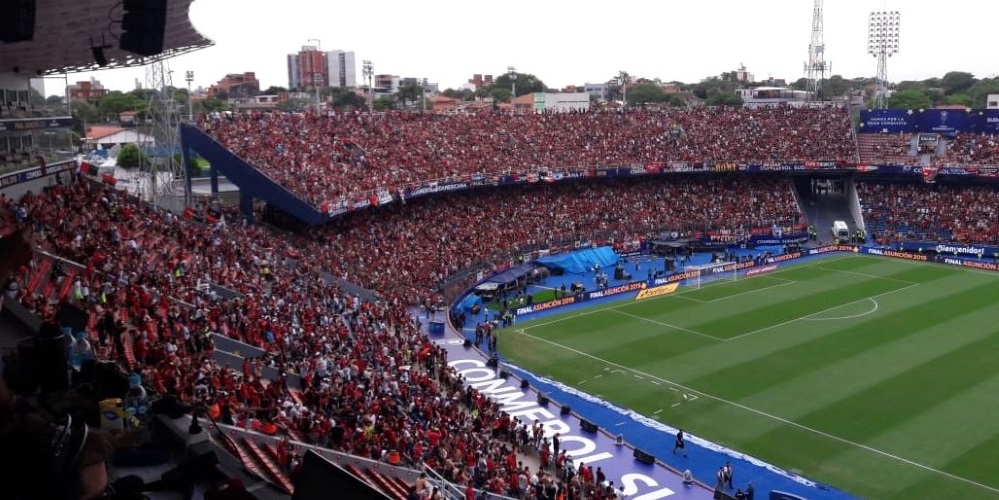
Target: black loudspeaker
[(543, 400), (99, 57), (17, 21), (566, 410), (468, 343), (143, 26), (524, 384), (504, 374), (644, 457), (588, 426)]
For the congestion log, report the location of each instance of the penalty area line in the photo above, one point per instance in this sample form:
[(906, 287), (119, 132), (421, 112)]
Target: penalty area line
[(762, 413)]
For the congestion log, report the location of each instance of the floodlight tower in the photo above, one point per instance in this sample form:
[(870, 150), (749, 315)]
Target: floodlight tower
[(882, 43), (816, 67), (368, 70)]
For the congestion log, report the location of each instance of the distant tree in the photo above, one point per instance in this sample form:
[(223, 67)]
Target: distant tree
[(349, 100), (909, 99), (131, 157), (980, 91), (526, 83), (500, 94), (294, 105), (955, 82), (724, 99), (960, 100), (408, 93), (384, 103), (116, 102), (213, 105), (54, 100), (835, 86), (645, 93), (273, 90)]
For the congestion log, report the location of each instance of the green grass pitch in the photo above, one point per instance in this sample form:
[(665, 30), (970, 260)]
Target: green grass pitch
[(877, 376)]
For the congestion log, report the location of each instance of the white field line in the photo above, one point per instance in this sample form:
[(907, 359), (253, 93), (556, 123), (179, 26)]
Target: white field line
[(680, 328), (768, 415), (866, 275), (785, 282), (858, 315), (677, 295), (808, 316)]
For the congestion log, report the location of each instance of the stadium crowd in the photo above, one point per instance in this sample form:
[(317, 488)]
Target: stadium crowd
[(372, 382), (929, 212), (329, 158), (973, 149)]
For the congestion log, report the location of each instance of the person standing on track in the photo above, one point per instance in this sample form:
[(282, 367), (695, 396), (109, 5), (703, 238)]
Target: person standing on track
[(678, 444)]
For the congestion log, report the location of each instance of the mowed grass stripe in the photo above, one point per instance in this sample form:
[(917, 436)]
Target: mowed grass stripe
[(870, 412), (726, 319), (952, 445), (809, 299), (822, 386), (851, 339)]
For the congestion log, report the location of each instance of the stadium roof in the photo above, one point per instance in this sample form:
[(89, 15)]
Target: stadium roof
[(65, 31)]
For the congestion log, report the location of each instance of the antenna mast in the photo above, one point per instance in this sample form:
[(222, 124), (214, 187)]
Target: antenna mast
[(163, 114), (816, 67)]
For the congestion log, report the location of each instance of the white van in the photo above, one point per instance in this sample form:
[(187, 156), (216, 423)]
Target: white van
[(840, 230)]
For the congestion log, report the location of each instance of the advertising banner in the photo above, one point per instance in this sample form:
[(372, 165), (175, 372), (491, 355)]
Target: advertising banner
[(887, 121), (978, 251), (34, 173), (27, 124), (946, 122)]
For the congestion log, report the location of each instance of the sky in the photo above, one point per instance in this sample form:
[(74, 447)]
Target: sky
[(571, 43)]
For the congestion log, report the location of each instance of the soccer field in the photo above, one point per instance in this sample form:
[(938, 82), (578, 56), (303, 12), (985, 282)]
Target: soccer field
[(876, 376)]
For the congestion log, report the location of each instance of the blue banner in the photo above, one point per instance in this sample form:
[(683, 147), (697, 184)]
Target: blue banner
[(34, 173), (985, 121), (887, 121), (943, 121)]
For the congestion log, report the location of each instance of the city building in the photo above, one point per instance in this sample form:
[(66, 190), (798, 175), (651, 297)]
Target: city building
[(237, 85), (107, 137), (772, 96), (87, 90), (596, 89), (307, 69), (479, 81), (743, 75), (386, 84), (552, 101), (342, 69), (992, 101)]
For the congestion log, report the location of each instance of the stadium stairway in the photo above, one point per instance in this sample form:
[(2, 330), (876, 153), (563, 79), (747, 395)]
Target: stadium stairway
[(251, 181), (822, 209)]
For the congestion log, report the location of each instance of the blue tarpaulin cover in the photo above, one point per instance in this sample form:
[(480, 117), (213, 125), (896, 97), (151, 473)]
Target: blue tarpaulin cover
[(581, 261), (511, 275)]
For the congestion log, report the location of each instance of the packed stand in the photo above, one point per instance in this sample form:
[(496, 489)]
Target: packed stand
[(973, 150), (329, 158), (142, 271), (409, 248), (930, 212)]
